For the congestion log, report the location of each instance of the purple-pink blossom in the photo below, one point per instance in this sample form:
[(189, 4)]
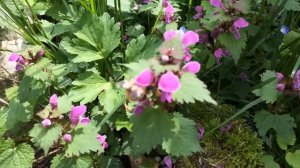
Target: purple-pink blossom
[(279, 76), (220, 52), (102, 140), (296, 80), (199, 12), (192, 67), (168, 162), (141, 107), (201, 132), (77, 115), (217, 3), (53, 101), (67, 137), (203, 38), (169, 11), (190, 38), (169, 82), (280, 87), (238, 24), (145, 78), (14, 57), (41, 54), (46, 122)]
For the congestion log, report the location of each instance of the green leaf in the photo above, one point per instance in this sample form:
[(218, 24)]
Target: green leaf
[(150, 129), (87, 87), (110, 162), (111, 99), (268, 92), (64, 104), (82, 135), (101, 32), (124, 4), (293, 5), (293, 159), (192, 89), (123, 122), (12, 156), (60, 161), (38, 70), (45, 137), (282, 124), (11, 92), (3, 117), (83, 51), (269, 162), (30, 89), (135, 30), (18, 114), (233, 45), (184, 140)]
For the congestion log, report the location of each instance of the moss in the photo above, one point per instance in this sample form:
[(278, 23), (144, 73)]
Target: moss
[(239, 147)]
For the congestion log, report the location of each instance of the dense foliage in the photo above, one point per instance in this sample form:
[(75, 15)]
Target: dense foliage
[(152, 83)]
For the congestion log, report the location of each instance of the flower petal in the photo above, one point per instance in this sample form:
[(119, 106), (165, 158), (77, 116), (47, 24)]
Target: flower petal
[(190, 38), (166, 96), (145, 78), (192, 67), (169, 82), (168, 161), (169, 35), (217, 3), (240, 23), (46, 122), (53, 101), (67, 137), (76, 113), (14, 57)]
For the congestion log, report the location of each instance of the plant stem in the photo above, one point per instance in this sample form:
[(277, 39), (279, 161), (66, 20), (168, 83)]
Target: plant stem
[(245, 108), (157, 19)]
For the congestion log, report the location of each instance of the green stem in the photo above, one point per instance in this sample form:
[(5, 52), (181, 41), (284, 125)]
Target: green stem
[(245, 108), (93, 7), (157, 19)]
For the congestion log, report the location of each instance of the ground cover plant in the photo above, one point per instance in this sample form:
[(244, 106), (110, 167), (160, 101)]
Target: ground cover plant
[(152, 83)]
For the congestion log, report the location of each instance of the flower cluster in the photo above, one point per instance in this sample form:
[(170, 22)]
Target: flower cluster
[(169, 11), (21, 61), (281, 85), (76, 117), (286, 84), (164, 84)]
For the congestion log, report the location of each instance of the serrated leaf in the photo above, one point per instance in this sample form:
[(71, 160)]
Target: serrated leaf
[(111, 99), (64, 104), (83, 51), (123, 122), (87, 87), (38, 70), (282, 124), (135, 30), (60, 161), (150, 129), (110, 162), (192, 89), (293, 158), (82, 135), (268, 92), (101, 32), (30, 89), (136, 67), (3, 116), (12, 156), (45, 137), (184, 140), (269, 162), (233, 45), (11, 92), (18, 114)]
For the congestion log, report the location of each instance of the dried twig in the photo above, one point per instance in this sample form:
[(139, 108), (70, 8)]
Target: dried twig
[(49, 154), (4, 102)]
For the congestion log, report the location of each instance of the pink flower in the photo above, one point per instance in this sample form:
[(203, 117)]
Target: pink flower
[(169, 82), (201, 132), (217, 3), (169, 35), (192, 67), (280, 87), (296, 80), (46, 122), (141, 107), (168, 162), (14, 57), (279, 76), (238, 24), (169, 13), (165, 3), (53, 101), (187, 55), (190, 38), (102, 140), (67, 137), (221, 52), (77, 115), (199, 12), (145, 78), (166, 96), (41, 54), (203, 38)]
